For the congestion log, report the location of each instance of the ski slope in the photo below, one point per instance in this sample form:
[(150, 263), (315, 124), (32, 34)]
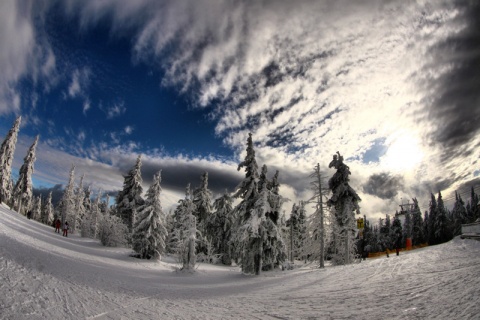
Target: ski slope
[(47, 276)]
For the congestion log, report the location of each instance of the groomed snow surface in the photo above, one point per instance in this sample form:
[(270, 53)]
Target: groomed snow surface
[(46, 276)]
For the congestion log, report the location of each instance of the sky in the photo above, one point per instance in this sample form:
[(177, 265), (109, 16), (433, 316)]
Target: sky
[(393, 86)]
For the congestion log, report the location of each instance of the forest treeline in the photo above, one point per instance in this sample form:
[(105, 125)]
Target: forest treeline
[(255, 233)]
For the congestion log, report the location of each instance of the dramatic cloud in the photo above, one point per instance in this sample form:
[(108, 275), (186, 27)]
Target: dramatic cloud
[(391, 85), (24, 52), (383, 185)]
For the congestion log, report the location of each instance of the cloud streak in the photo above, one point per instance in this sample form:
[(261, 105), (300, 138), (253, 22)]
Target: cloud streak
[(396, 83)]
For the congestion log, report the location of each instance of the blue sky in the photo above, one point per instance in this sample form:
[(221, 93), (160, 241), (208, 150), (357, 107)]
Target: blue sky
[(393, 86)]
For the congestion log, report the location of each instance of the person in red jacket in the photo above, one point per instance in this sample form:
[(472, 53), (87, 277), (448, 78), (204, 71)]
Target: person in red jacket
[(57, 225), (65, 229)]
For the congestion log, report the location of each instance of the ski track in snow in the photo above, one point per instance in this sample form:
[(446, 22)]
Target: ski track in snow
[(46, 276)]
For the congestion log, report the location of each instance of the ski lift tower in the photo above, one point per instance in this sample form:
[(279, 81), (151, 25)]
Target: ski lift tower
[(404, 209)]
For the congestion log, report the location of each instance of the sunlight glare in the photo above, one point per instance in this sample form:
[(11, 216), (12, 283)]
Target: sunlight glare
[(404, 153)]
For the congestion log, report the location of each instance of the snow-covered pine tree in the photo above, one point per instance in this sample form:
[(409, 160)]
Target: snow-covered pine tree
[(384, 234), (345, 201), (473, 211), (442, 224), (37, 208), (67, 204), (149, 233), (459, 214), (418, 234), (247, 191), (259, 242), (130, 197), (47, 211), (432, 221), (7, 149), (96, 215), (22, 192), (426, 227), (85, 230), (220, 225), (202, 199), (111, 231), (110, 228), (79, 211), (396, 231), (274, 246), (296, 226), (185, 233), (369, 236)]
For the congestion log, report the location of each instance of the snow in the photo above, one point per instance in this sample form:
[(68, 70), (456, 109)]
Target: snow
[(47, 276)]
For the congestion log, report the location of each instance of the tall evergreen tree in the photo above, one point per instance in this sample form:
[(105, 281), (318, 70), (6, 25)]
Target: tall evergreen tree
[(96, 215), (36, 208), (426, 226), (149, 235), (47, 212), (296, 226), (432, 220), (130, 197), (459, 215), (247, 192), (87, 200), (442, 224), (258, 242), (396, 231), (79, 211), (473, 210), (185, 233), (345, 201), (67, 204), (384, 233), (220, 226), (7, 149), (22, 192), (259, 239), (418, 235), (202, 199), (274, 246)]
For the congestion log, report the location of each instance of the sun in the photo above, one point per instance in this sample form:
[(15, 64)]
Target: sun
[(404, 152)]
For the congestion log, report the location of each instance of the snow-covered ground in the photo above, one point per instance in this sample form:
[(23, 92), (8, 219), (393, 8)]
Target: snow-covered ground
[(46, 276)]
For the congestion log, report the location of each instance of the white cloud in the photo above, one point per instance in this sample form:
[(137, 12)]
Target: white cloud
[(80, 82), (16, 47), (86, 106), (116, 110)]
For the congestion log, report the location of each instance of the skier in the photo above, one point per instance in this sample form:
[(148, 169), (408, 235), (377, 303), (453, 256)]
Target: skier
[(65, 229), (57, 225)]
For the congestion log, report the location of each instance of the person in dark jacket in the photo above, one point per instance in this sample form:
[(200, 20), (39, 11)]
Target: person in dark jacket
[(57, 225)]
